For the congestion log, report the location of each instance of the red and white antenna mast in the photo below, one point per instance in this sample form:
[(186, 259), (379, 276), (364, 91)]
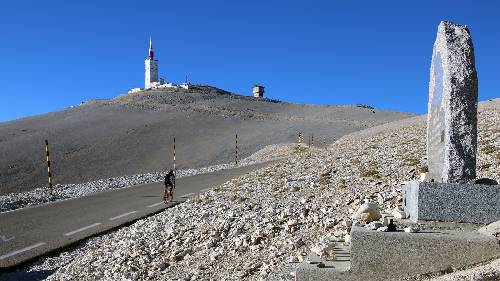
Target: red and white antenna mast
[(151, 53)]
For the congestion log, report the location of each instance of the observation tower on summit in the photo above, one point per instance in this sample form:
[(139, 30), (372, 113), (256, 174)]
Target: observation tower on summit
[(151, 67)]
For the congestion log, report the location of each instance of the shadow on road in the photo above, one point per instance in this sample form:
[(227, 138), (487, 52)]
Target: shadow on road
[(26, 276)]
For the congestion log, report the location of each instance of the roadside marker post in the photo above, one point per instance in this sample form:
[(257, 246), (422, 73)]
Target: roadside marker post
[(300, 137), (312, 139), (175, 171), (236, 150), (48, 165)]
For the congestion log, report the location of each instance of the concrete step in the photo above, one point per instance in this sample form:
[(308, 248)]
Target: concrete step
[(310, 268), (378, 255)]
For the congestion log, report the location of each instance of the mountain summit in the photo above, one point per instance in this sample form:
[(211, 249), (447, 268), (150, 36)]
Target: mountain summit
[(133, 133)]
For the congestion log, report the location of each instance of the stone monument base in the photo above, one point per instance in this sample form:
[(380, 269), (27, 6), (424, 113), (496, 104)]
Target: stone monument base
[(452, 202)]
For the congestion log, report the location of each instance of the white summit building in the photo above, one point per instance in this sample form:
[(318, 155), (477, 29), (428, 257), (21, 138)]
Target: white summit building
[(151, 80), (151, 67)]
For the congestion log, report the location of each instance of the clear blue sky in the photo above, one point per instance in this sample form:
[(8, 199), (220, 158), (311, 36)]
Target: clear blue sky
[(55, 54)]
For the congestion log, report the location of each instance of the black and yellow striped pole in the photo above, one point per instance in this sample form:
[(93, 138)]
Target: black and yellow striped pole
[(48, 165), (175, 171), (236, 150)]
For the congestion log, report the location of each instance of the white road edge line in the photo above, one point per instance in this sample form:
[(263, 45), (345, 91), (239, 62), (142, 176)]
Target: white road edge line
[(155, 204), (82, 229), (205, 190), (22, 250), (187, 195), (5, 239), (121, 216)]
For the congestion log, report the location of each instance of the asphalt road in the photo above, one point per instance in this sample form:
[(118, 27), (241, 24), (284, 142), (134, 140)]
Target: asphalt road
[(34, 231)]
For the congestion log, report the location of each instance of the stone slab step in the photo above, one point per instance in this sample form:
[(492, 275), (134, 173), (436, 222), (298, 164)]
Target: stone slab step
[(310, 265), (378, 255)]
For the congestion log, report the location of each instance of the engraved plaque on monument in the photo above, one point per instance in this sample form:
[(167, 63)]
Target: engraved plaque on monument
[(452, 109)]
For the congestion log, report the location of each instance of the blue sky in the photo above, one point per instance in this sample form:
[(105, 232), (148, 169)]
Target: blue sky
[(55, 54)]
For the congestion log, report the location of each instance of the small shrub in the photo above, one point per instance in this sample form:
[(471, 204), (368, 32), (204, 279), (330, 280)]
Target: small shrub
[(369, 173), (300, 148), (448, 270), (423, 169), (483, 142), (342, 183), (238, 199), (484, 167), (323, 180), (409, 160), (489, 149)]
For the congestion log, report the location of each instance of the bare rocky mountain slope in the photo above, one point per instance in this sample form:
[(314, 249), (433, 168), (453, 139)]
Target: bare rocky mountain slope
[(257, 226), (133, 133)]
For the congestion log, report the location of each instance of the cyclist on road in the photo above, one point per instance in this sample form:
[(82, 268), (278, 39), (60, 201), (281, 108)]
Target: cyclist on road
[(169, 186)]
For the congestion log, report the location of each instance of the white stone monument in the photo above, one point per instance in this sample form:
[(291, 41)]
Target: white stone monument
[(451, 194), (452, 112)]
